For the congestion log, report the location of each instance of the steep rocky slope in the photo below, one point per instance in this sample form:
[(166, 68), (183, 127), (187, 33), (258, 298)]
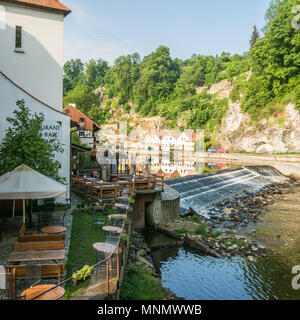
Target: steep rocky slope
[(238, 132), (279, 133)]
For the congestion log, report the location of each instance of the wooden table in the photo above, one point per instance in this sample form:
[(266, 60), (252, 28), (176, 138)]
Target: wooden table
[(104, 247), (54, 294), (54, 229), (122, 206), (16, 257), (117, 216), (112, 229)]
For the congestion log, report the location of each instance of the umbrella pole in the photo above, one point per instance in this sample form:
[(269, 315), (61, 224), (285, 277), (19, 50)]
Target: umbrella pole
[(14, 207), (24, 220)]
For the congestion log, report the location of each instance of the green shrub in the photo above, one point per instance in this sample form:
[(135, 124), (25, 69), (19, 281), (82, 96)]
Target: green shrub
[(201, 229), (215, 234), (196, 219), (181, 230), (140, 285)]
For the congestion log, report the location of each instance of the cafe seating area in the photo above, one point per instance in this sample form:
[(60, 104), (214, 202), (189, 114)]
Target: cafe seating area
[(34, 257)]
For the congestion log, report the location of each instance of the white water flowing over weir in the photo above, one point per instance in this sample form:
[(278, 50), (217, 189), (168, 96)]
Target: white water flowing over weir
[(201, 191)]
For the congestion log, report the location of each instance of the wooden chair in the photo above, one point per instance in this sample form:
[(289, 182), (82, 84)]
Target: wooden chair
[(20, 272), (23, 231)]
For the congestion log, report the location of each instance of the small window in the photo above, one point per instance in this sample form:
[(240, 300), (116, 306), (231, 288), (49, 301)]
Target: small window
[(18, 37)]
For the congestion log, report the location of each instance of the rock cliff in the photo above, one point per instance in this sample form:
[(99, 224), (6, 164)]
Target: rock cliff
[(276, 134)]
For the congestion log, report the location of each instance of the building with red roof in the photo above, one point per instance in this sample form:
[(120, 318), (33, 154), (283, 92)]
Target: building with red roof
[(31, 67)]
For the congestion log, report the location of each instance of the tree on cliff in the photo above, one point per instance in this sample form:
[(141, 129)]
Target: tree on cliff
[(24, 144), (275, 62), (82, 95), (158, 77), (73, 74), (254, 37), (95, 72)]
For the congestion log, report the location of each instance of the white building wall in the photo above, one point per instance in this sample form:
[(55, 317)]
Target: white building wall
[(39, 70), (9, 94)]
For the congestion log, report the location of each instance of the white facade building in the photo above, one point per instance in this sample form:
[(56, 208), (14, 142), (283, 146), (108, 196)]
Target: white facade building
[(31, 67)]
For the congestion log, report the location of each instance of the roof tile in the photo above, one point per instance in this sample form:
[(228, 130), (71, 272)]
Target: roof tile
[(52, 4)]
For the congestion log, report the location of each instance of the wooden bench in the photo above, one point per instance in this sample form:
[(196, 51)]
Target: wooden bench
[(39, 246), (42, 237), (48, 271)]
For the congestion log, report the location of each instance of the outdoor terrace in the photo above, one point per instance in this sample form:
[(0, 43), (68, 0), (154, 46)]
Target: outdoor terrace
[(81, 248), (120, 186)]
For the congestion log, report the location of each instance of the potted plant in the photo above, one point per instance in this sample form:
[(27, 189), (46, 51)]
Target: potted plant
[(131, 201), (82, 274), (126, 224), (124, 237)]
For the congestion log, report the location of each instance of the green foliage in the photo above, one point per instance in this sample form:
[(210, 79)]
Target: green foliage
[(181, 230), (160, 85), (84, 234), (123, 237), (201, 229), (196, 219), (275, 61), (75, 138), (83, 96), (158, 75), (83, 273), (73, 74), (140, 285), (95, 73), (99, 114), (122, 77), (24, 144), (254, 37)]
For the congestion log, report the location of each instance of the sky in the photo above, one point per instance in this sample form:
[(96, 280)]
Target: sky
[(108, 29)]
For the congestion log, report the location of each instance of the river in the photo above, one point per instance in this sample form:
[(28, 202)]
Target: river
[(191, 274)]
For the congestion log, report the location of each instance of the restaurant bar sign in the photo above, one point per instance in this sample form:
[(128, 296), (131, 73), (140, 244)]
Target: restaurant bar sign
[(52, 129)]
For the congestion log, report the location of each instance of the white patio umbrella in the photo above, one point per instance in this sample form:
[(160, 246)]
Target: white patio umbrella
[(25, 183)]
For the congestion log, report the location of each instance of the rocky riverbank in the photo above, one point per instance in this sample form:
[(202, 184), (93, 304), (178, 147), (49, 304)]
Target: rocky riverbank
[(139, 255), (226, 229), (242, 210)]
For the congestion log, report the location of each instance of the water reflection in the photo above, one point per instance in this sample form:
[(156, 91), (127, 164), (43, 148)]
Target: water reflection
[(182, 169), (196, 276)]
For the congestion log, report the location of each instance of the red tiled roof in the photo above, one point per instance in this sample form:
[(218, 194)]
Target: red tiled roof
[(51, 4)]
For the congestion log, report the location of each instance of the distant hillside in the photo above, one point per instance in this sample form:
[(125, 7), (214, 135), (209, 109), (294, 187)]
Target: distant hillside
[(198, 92)]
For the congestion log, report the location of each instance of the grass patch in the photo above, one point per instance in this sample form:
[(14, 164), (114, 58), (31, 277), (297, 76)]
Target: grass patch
[(195, 219), (181, 230), (215, 234), (83, 235), (201, 229), (140, 285)]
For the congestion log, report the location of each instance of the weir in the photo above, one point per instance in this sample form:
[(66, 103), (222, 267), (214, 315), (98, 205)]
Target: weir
[(200, 191)]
